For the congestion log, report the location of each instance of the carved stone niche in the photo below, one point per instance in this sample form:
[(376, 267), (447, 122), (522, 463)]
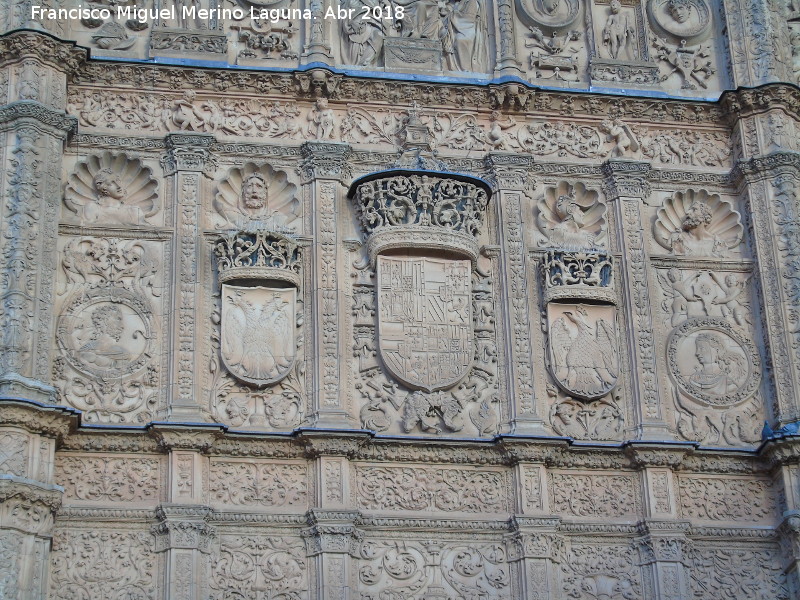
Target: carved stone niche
[(696, 223), (570, 217), (555, 37), (257, 197), (582, 344), (435, 310), (112, 189), (259, 276)]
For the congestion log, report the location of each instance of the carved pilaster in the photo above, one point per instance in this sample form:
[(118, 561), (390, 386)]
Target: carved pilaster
[(627, 188), (773, 193), (661, 554), (318, 48), (325, 167), (535, 549), (507, 63), (29, 498), (183, 532), (186, 163), (511, 180), (332, 540)]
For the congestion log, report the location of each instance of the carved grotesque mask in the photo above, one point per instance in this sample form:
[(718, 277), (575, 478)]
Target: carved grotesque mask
[(254, 192)]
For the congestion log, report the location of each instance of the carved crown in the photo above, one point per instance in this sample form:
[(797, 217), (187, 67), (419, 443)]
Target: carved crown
[(578, 275), (421, 209), (257, 255)]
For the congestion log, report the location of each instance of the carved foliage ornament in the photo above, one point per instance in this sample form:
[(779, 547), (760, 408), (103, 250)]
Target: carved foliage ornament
[(112, 189), (696, 223)]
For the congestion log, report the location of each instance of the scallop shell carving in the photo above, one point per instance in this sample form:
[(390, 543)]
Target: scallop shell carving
[(112, 189), (696, 223), (259, 197), (571, 217)]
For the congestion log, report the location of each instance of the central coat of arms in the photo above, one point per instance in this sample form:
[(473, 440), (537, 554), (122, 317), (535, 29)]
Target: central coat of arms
[(258, 332), (425, 327)]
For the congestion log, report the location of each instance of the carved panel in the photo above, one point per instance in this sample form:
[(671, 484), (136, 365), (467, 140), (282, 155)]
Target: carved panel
[(597, 572), (259, 484), (719, 573), (431, 489), (117, 479), (722, 499), (596, 496)]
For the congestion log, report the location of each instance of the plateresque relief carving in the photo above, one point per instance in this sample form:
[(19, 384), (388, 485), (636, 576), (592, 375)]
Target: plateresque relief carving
[(107, 330), (571, 217), (257, 197), (717, 371), (112, 189), (705, 293), (260, 331), (696, 223)]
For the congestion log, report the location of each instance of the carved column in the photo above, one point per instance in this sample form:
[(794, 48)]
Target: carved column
[(318, 48), (663, 536), (627, 188), (773, 194), (33, 131), (185, 164), (511, 180), (325, 169), (29, 498), (183, 531), (507, 63)]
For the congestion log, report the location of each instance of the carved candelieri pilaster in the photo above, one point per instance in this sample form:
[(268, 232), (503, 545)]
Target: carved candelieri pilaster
[(627, 187), (511, 180), (662, 552), (325, 168), (29, 498), (535, 549), (332, 541), (186, 164)]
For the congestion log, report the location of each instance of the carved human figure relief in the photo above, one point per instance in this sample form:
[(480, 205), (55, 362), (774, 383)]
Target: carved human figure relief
[(705, 293), (696, 223), (112, 189), (571, 217), (619, 33), (583, 350), (258, 325), (622, 139), (425, 327), (548, 13), (686, 20), (257, 197), (321, 121)]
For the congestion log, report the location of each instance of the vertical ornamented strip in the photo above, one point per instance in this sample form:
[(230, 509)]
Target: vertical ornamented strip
[(627, 187), (510, 179), (775, 210), (324, 167), (507, 51), (186, 159)]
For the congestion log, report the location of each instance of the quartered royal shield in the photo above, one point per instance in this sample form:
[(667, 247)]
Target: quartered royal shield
[(584, 356), (258, 332), (425, 330)]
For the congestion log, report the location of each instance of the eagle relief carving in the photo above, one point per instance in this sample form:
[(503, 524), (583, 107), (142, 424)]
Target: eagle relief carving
[(584, 359)]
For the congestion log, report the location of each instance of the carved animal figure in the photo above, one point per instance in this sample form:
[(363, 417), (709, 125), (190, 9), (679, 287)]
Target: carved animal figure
[(585, 357)]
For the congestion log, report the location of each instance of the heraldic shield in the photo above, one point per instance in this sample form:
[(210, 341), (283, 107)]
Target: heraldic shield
[(584, 355), (425, 331), (258, 332)]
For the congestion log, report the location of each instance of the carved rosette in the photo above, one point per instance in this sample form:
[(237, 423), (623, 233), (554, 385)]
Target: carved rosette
[(433, 305), (259, 273)]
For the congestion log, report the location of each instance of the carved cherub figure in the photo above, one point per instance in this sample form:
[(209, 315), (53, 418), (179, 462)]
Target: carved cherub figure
[(682, 293), (321, 120), (620, 135), (734, 302), (496, 136)]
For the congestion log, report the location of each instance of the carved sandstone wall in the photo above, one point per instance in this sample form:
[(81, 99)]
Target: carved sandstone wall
[(427, 318)]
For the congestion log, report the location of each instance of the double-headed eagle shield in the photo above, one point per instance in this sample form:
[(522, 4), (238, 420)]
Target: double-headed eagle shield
[(425, 329), (258, 332)]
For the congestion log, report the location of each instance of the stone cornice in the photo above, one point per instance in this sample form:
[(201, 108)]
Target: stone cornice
[(764, 167), (26, 43), (24, 112), (196, 438), (52, 421), (745, 102)]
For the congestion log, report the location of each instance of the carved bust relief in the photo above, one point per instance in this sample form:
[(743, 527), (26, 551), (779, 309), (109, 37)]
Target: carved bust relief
[(571, 217), (257, 197), (696, 223), (112, 189)]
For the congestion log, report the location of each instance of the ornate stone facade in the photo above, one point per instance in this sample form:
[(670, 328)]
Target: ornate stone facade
[(475, 299)]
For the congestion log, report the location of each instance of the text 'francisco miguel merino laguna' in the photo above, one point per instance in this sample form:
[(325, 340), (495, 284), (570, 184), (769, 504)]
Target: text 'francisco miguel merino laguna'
[(144, 15)]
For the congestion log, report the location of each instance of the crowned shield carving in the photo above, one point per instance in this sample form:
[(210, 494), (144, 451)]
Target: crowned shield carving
[(582, 343), (258, 332), (425, 331)]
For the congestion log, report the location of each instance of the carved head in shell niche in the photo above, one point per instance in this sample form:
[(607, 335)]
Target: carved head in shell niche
[(257, 197), (112, 189), (682, 19)]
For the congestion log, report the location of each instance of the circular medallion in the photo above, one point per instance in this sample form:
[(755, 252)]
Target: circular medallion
[(106, 332), (548, 13), (683, 19), (713, 363)]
